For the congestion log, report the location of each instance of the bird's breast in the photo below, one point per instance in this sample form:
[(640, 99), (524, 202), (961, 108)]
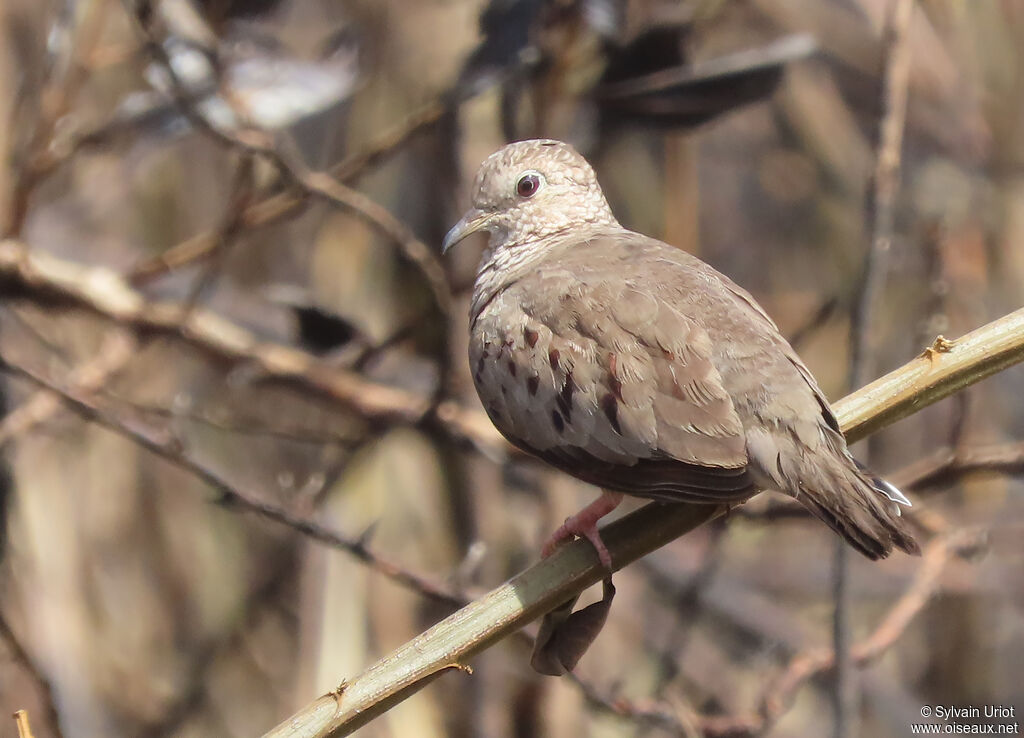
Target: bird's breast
[(538, 386)]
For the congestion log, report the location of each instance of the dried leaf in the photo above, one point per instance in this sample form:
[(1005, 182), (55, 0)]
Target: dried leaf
[(566, 635)]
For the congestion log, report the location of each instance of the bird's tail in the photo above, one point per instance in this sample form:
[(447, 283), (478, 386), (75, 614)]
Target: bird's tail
[(863, 509)]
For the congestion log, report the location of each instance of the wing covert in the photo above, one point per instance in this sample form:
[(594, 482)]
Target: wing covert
[(613, 385)]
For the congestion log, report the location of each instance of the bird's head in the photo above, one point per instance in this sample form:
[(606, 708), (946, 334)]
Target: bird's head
[(530, 190)]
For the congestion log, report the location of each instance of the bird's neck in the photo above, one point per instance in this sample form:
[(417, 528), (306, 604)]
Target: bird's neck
[(502, 264), (505, 261)]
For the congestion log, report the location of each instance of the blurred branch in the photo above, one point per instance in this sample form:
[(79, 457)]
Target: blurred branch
[(46, 279), (55, 101), (311, 183), (21, 657), (941, 370), (279, 571), (264, 212), (227, 233), (117, 348), (648, 713), (241, 426), (686, 601), (390, 141), (812, 662), (884, 188), (803, 666), (863, 339), (282, 205), (817, 320), (815, 662), (574, 567), (169, 447), (21, 721), (326, 187), (948, 464)]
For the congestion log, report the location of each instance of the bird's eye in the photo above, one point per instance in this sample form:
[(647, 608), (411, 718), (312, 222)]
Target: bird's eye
[(528, 185)]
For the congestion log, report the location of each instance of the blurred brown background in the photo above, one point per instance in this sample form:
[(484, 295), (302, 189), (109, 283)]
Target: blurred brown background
[(134, 604)]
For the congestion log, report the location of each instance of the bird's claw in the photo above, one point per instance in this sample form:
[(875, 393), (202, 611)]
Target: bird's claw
[(584, 525)]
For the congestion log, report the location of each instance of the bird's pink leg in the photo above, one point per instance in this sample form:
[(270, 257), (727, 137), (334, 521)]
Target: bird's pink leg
[(584, 524)]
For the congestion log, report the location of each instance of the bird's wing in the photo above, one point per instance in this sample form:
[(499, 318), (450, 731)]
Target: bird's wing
[(601, 378), (768, 328)]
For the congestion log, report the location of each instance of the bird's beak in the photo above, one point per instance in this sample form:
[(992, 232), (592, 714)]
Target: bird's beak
[(473, 221)]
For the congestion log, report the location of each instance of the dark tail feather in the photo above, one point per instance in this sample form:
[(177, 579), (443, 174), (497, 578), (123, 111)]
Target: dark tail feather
[(865, 513)]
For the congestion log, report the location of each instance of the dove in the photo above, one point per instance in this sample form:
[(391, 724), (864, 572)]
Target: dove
[(636, 367)]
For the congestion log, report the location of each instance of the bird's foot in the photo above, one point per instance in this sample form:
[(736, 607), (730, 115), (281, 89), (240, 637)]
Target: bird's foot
[(584, 525)]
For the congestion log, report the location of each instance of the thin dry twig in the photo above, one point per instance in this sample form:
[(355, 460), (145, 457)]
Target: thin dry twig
[(813, 662), (646, 713), (863, 337), (326, 187), (56, 100), (393, 140), (116, 350), (227, 233), (276, 207), (686, 601), (884, 188), (21, 721), (802, 666), (170, 448), (21, 657), (279, 572), (243, 426), (321, 185), (949, 464), (814, 323), (47, 279), (282, 205), (941, 370)]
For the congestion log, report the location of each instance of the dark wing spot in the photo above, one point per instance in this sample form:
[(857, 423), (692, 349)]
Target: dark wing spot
[(613, 382), (564, 398), (553, 357), (479, 368), (827, 414), (610, 405), (531, 337), (556, 420), (532, 384), (511, 367)]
